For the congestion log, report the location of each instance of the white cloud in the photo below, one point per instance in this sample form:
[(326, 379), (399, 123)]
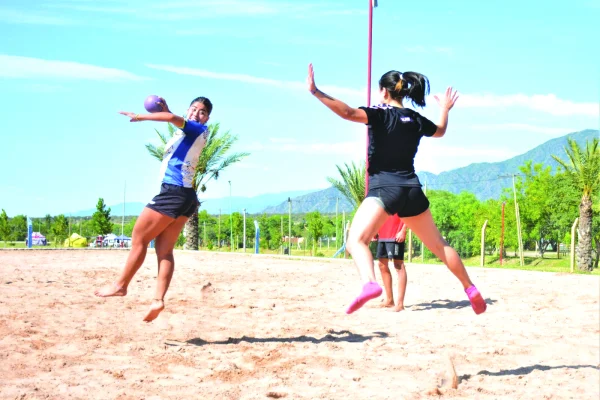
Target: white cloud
[(191, 10), (32, 18), (435, 157), (349, 148), (98, 9), (282, 140), (43, 88), (296, 85), (545, 130), (444, 50), (545, 103), (548, 103), (252, 166), (27, 67)]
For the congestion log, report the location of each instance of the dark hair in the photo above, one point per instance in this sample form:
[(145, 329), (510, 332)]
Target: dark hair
[(205, 101), (413, 85)]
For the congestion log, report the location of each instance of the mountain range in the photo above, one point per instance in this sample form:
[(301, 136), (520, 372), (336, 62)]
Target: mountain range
[(488, 180), (485, 180)]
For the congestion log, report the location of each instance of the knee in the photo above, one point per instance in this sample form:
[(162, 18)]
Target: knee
[(383, 267), (163, 252), (352, 244), (139, 241), (356, 241), (165, 255), (439, 244)]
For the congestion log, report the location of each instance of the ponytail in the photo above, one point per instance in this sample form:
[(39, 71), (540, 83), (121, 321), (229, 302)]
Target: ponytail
[(410, 85)]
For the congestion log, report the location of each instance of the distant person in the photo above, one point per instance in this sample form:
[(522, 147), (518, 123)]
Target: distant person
[(165, 216), (390, 247), (394, 188)]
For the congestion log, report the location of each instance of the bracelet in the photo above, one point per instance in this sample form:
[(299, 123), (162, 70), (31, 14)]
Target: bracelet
[(314, 91), (136, 118)]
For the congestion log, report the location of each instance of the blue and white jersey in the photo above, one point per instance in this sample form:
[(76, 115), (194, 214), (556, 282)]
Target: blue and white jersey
[(182, 153)]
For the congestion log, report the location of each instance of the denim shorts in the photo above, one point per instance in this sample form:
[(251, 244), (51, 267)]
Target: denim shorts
[(402, 200)]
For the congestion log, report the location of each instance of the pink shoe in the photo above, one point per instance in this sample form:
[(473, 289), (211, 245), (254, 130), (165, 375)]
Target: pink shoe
[(476, 299), (370, 291)]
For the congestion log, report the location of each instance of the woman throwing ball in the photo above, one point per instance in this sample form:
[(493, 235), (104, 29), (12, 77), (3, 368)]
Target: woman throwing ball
[(165, 216), (394, 188)]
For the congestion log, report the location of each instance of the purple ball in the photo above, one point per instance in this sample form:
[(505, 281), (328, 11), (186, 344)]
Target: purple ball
[(150, 104)]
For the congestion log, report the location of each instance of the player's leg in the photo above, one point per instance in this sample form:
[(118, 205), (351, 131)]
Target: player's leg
[(400, 268), (369, 217), (165, 243), (386, 276), (424, 227), (149, 225)]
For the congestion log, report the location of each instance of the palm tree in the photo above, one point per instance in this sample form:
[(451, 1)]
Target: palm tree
[(583, 168), (352, 185), (213, 159)]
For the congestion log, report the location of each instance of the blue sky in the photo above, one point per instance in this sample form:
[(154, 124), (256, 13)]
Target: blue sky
[(527, 72)]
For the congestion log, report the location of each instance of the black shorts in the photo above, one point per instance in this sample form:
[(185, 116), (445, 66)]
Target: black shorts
[(390, 250), (175, 201), (402, 200)]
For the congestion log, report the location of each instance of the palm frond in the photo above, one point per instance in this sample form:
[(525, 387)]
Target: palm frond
[(213, 159), (352, 183), (156, 152), (164, 138), (583, 167)]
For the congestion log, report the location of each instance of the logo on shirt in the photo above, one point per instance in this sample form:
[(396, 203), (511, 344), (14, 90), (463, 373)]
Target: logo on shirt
[(405, 119)]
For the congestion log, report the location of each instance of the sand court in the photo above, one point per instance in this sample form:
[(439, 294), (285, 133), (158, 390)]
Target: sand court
[(270, 327)]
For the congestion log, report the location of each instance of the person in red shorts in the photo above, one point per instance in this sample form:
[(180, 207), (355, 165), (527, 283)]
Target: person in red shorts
[(390, 247)]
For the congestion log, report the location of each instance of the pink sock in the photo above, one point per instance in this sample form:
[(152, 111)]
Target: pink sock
[(476, 299), (370, 291)]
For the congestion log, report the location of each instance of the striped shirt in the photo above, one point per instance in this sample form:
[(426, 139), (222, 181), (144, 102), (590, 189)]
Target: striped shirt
[(182, 153)]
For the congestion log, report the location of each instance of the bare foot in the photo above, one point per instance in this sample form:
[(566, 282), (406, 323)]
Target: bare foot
[(155, 308), (399, 307), (385, 303), (111, 290)]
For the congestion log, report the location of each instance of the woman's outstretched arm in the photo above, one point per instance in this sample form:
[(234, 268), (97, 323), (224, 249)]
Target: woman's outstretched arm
[(339, 107)]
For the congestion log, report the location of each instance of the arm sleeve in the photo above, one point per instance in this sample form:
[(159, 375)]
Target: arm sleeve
[(375, 116), (193, 128), (427, 128)]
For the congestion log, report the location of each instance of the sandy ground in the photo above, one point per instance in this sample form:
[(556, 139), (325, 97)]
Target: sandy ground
[(276, 328)]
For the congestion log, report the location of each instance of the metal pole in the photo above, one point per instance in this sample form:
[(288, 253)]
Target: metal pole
[(337, 201), (230, 219), (483, 243), (370, 52), (372, 4), (289, 226), (244, 230), (518, 217), (422, 245), (123, 217), (521, 257), (502, 234), (344, 230)]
